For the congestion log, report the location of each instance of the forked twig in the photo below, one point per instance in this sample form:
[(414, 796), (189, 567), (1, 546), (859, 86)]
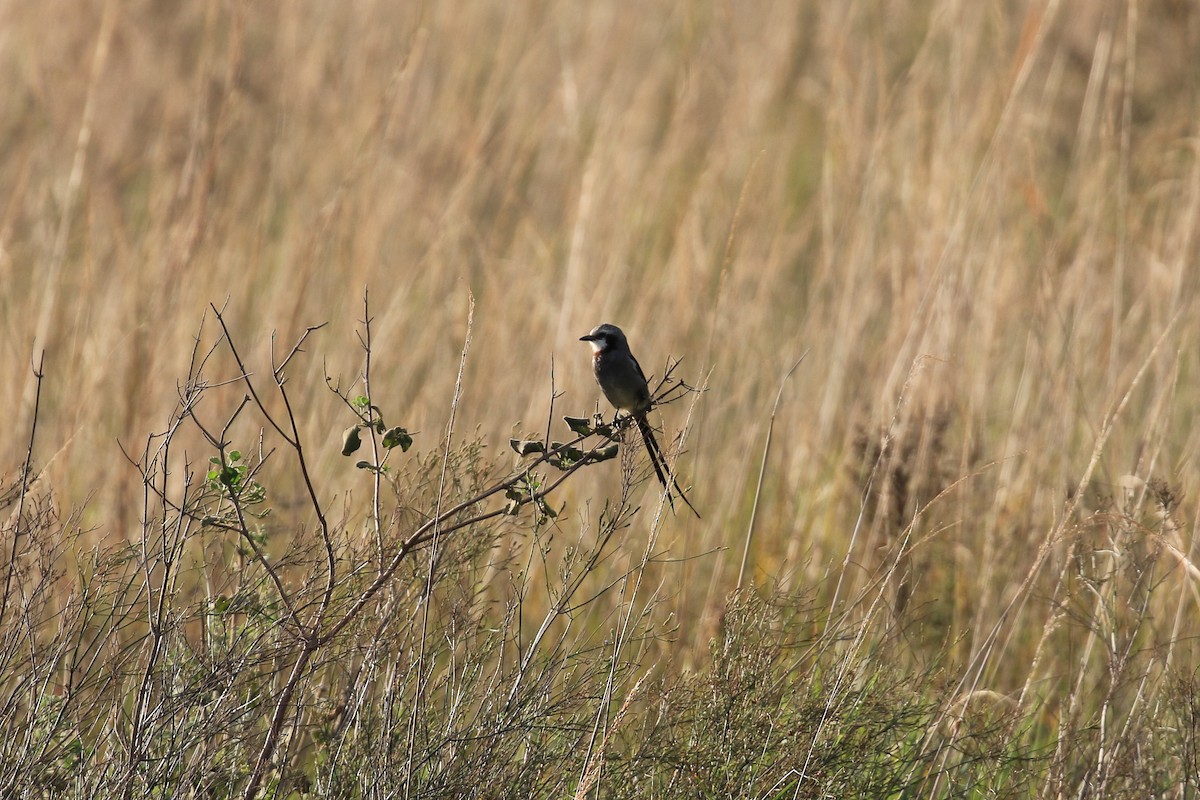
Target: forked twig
[(26, 482)]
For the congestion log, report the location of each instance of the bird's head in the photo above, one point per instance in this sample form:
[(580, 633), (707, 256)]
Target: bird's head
[(605, 337)]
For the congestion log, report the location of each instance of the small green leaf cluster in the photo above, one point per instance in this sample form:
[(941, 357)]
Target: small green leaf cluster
[(587, 426), (229, 477), (525, 492), (566, 455), (393, 437)]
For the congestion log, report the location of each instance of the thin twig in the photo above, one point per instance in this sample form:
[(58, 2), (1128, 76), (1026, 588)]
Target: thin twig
[(18, 516), (762, 471)]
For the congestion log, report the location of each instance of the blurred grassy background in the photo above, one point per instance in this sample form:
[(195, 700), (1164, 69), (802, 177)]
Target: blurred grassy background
[(979, 218)]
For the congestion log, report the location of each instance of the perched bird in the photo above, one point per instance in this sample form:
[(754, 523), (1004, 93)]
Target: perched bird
[(624, 384)]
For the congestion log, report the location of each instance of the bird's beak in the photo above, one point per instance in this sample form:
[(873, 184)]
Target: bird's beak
[(588, 338)]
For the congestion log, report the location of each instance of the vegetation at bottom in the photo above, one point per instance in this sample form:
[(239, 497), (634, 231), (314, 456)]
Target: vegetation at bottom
[(392, 645), (303, 491)]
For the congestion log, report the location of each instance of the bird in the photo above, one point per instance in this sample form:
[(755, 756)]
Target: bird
[(625, 385)]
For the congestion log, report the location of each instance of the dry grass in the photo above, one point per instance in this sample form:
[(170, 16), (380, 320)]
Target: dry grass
[(980, 219)]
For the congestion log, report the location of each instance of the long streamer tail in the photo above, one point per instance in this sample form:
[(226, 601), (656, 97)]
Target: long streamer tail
[(659, 462)]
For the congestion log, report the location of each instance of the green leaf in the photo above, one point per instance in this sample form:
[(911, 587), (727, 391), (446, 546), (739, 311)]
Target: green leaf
[(351, 440), (564, 457), (365, 465), (524, 447), (580, 425), (235, 456), (362, 402), (397, 436), (604, 453)]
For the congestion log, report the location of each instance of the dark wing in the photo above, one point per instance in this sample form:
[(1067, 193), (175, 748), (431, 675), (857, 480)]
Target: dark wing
[(644, 398), (638, 367)]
